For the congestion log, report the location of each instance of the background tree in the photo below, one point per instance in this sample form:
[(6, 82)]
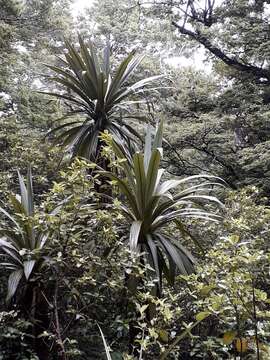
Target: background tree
[(228, 138), (215, 121), (30, 32), (142, 31)]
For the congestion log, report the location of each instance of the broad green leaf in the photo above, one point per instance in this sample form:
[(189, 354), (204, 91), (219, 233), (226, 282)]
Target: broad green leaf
[(202, 315), (205, 290), (118, 78), (74, 88), (65, 74), (163, 335), (228, 337)]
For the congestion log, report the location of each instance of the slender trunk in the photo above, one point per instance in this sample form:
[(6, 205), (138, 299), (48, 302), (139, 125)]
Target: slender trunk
[(61, 352)]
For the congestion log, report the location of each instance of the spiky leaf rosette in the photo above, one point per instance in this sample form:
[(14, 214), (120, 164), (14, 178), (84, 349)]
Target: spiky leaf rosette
[(97, 93), (21, 244), (151, 204)]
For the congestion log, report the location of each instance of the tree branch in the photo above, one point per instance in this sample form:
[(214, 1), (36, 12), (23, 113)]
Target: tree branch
[(262, 75)]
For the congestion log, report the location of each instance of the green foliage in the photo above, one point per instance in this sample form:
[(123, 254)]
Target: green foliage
[(20, 146), (21, 243), (29, 32), (85, 258), (150, 206), (14, 337), (98, 95), (223, 129), (128, 24), (233, 284)]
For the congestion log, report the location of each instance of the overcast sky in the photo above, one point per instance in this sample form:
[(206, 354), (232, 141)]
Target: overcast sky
[(79, 5), (196, 60)]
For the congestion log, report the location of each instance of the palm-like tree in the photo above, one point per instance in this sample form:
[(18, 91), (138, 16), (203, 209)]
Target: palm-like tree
[(97, 94), (23, 248), (150, 206), (21, 245)]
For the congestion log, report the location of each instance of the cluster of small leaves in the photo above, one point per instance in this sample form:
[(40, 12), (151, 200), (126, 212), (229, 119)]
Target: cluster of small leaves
[(232, 285), (14, 336), (21, 145)]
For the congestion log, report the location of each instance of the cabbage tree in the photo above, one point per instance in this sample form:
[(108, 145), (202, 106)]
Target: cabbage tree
[(152, 204), (23, 251), (99, 97), (21, 244)]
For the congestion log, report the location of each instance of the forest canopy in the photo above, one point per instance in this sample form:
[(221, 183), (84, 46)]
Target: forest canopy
[(134, 179)]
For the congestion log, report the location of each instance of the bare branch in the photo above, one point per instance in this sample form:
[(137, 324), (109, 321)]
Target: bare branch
[(262, 75)]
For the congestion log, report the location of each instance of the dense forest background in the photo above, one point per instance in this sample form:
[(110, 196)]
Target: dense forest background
[(103, 254)]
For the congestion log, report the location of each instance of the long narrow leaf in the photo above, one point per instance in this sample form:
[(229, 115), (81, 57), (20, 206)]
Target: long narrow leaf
[(140, 181), (134, 235), (13, 282), (106, 347), (30, 193), (28, 268)]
